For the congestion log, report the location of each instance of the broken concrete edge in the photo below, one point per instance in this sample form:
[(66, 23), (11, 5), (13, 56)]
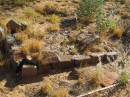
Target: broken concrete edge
[(101, 53), (70, 58), (89, 56), (64, 62)]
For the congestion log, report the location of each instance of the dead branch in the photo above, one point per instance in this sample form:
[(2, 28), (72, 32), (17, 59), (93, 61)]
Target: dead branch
[(99, 90)]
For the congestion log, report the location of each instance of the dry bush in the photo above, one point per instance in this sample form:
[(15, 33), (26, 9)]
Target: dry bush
[(47, 86), (39, 8), (48, 89), (31, 46), (97, 77), (92, 76), (54, 19), (61, 92), (21, 36), (118, 31)]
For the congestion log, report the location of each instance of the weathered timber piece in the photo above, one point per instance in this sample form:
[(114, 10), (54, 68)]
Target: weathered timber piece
[(100, 90)]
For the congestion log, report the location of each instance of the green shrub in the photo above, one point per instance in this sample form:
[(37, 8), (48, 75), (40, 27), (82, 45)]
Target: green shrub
[(123, 79), (88, 8), (93, 10), (128, 8), (2, 1), (105, 25)]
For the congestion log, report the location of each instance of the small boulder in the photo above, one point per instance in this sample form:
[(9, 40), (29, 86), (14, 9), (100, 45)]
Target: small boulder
[(109, 78), (14, 26)]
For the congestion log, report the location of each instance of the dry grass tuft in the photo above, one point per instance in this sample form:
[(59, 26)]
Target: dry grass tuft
[(53, 28), (31, 46), (97, 75), (92, 76), (54, 19), (61, 92), (21, 36), (47, 87), (118, 31), (49, 90)]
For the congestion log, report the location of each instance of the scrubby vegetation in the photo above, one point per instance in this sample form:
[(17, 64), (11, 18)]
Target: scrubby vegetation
[(123, 80), (75, 46)]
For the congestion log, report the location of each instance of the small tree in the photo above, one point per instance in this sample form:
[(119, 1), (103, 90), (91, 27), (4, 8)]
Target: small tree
[(88, 8), (93, 9)]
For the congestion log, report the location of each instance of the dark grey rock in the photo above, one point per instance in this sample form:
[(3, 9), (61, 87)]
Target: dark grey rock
[(68, 22), (126, 36), (13, 26)]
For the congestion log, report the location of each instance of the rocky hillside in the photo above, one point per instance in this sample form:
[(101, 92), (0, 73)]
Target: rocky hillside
[(64, 48)]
